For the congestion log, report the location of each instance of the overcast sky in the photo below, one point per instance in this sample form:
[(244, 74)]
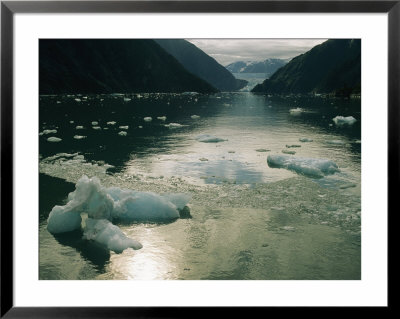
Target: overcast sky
[(226, 51)]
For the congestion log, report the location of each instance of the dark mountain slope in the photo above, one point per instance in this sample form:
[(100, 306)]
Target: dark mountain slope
[(110, 66), (201, 64), (332, 66)]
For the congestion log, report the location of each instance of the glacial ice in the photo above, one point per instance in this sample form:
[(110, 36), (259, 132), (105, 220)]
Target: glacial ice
[(103, 205), (45, 132), (79, 137), (79, 127), (288, 152), (311, 167), (195, 117), (123, 133), (162, 118), (174, 125), (108, 235), (205, 138), (296, 111), (148, 119), (305, 139), (54, 139), (94, 123), (96, 127), (341, 120), (124, 127), (111, 123)]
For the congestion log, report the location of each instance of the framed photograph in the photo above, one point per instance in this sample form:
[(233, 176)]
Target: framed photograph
[(164, 155)]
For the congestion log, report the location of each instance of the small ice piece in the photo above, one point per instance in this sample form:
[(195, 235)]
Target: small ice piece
[(174, 125), (195, 117), (296, 111), (123, 133), (335, 142), (203, 159), (45, 132), (111, 123), (71, 122), (124, 127), (288, 152), (54, 139), (126, 99), (305, 139), (140, 126), (148, 119), (79, 137), (292, 145), (162, 118), (341, 120), (58, 102), (311, 167), (205, 138), (262, 150), (96, 127), (77, 100), (288, 228), (108, 235), (357, 141), (79, 127), (95, 123)]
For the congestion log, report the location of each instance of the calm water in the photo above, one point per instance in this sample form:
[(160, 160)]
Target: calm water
[(249, 221)]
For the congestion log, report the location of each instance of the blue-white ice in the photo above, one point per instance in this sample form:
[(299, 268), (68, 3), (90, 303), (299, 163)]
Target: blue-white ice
[(205, 138), (54, 139), (79, 137), (124, 127), (148, 119), (109, 204), (311, 167), (161, 118), (341, 120), (123, 133), (174, 125)]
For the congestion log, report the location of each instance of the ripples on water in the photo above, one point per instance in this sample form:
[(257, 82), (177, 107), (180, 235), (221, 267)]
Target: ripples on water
[(249, 221)]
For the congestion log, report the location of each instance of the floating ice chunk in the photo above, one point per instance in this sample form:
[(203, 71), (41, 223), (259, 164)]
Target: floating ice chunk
[(54, 139), (126, 99), (305, 139), (335, 142), (205, 138), (262, 150), (288, 228), (195, 117), (148, 119), (296, 111), (341, 120), (45, 132), (72, 122), (293, 145), (124, 127), (77, 100), (111, 123), (123, 133), (203, 159), (311, 167), (79, 137), (174, 125), (140, 126), (58, 102), (108, 235), (162, 118), (96, 127), (288, 152), (79, 127), (95, 123)]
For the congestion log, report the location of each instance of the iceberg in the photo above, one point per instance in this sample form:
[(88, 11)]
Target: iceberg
[(48, 132), (162, 118), (123, 133), (205, 138), (147, 119), (96, 127), (111, 123), (104, 205), (310, 167), (124, 127), (95, 123), (79, 137), (79, 127), (341, 120)]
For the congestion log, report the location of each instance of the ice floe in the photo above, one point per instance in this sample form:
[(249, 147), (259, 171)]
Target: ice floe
[(95, 123), (124, 127), (148, 119), (79, 137), (79, 127), (341, 120), (205, 138), (161, 118), (54, 139), (195, 117), (96, 127), (111, 123), (174, 125), (305, 139), (311, 167), (288, 152), (296, 111), (123, 133), (45, 132)]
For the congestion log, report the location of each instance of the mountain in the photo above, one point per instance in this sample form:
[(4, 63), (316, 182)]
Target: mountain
[(112, 66), (268, 66), (331, 67), (201, 64)]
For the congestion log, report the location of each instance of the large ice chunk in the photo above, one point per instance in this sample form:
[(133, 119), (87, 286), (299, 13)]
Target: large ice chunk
[(311, 167), (108, 235), (341, 120)]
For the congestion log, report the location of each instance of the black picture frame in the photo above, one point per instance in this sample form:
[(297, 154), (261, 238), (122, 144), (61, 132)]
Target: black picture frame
[(9, 8)]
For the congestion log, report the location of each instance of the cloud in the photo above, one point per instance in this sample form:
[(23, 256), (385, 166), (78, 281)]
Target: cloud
[(226, 51)]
